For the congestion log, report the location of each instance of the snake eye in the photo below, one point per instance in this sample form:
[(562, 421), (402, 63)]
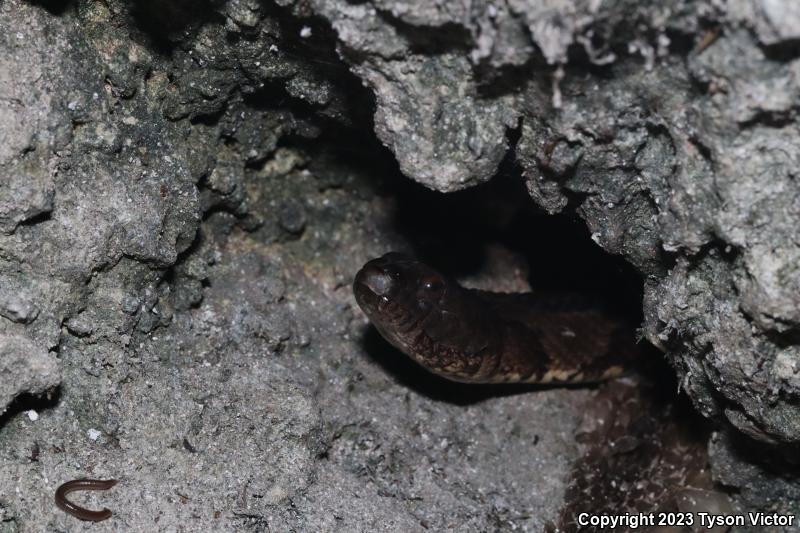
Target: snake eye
[(432, 284)]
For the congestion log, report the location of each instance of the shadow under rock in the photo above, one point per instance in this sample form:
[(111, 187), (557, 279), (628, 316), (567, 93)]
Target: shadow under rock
[(55, 7), (30, 402)]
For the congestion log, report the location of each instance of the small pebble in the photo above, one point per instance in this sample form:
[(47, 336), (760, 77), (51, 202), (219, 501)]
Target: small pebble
[(292, 218)]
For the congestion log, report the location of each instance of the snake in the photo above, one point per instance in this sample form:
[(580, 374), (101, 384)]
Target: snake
[(476, 336)]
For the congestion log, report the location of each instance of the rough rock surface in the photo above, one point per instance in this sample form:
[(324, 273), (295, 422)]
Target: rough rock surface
[(186, 189)]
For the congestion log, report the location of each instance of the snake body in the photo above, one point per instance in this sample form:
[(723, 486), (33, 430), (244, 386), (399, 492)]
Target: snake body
[(476, 336)]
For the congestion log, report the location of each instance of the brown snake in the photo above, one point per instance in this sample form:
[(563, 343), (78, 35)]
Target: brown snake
[(476, 336)]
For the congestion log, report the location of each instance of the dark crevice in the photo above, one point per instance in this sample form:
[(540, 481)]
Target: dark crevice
[(210, 119), (55, 7), (684, 44), (352, 103), (318, 48), (165, 24), (580, 63), (779, 460), (784, 339), (44, 216), (494, 82), (771, 119), (27, 402), (431, 40), (714, 247), (785, 51), (452, 231)]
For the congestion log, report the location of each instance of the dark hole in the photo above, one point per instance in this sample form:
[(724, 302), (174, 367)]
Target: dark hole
[(453, 232), (27, 402), (54, 7)]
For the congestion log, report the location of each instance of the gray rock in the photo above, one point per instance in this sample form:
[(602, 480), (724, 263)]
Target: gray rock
[(32, 369), (16, 303), (429, 110), (435, 110), (181, 213), (27, 192), (775, 21)]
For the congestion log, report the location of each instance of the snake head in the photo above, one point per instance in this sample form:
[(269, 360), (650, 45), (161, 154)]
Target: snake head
[(424, 314), (396, 290)]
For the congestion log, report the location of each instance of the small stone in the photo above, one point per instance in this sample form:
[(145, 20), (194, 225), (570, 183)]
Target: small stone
[(18, 310), (130, 304), (80, 326), (292, 217)]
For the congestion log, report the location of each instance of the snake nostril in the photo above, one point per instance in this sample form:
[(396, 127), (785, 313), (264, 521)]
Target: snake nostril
[(376, 280)]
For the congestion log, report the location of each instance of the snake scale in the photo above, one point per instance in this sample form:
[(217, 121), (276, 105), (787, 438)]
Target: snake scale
[(475, 336)]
